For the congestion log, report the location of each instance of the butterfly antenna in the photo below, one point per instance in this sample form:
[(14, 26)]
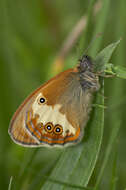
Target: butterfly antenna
[(97, 35)]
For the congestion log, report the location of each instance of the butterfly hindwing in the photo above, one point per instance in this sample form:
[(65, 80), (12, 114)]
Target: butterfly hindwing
[(54, 114)]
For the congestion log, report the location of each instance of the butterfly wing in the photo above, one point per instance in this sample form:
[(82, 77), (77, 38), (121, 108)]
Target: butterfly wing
[(54, 114)]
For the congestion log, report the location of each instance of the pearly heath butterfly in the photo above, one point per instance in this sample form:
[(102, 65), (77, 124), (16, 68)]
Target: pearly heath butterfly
[(56, 113)]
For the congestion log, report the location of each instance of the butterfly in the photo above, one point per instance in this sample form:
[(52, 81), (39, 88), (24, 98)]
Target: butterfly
[(56, 113)]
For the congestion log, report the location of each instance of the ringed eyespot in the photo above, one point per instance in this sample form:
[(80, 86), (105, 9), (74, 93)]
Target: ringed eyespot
[(58, 129), (41, 100), (49, 127)]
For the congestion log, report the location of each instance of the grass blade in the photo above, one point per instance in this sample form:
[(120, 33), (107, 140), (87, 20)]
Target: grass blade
[(10, 183), (76, 164), (112, 139), (114, 178)]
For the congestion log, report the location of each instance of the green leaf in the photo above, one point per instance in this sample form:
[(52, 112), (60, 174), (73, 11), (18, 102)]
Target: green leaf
[(118, 71), (114, 177), (104, 56), (76, 164), (111, 142)]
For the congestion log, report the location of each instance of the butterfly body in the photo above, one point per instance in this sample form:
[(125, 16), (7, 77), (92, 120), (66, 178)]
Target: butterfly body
[(57, 112)]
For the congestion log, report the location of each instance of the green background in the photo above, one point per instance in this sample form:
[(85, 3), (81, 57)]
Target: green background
[(31, 36)]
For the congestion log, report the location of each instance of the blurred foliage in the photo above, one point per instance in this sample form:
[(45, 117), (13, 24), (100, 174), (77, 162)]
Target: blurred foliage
[(31, 35)]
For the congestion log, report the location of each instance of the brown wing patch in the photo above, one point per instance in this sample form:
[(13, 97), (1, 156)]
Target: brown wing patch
[(54, 90)]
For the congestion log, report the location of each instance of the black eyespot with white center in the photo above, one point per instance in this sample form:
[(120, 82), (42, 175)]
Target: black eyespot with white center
[(58, 129), (49, 127), (42, 100)]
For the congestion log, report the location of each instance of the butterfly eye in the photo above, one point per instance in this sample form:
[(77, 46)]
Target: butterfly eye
[(49, 127), (58, 129)]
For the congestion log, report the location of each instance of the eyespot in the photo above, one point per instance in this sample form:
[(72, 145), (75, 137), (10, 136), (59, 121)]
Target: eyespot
[(49, 127), (58, 129), (41, 100)]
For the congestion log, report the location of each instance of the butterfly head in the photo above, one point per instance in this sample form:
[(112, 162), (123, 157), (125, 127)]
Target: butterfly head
[(86, 64), (88, 78)]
